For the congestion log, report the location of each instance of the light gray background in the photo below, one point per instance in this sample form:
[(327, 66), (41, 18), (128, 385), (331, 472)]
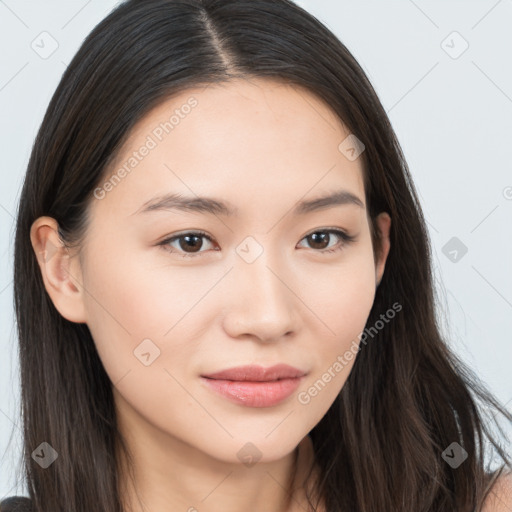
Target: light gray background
[(452, 114)]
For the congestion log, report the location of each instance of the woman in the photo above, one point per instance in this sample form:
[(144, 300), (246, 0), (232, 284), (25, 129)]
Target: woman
[(223, 282)]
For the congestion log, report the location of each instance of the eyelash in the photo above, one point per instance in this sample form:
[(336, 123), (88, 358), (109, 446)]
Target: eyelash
[(346, 239)]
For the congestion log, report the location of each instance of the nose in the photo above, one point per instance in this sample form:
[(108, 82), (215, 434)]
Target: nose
[(262, 301)]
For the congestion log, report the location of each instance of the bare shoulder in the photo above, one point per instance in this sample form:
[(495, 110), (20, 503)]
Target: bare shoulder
[(499, 498)]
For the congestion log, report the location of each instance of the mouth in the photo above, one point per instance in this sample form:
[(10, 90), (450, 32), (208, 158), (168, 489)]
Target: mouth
[(255, 373), (255, 386)]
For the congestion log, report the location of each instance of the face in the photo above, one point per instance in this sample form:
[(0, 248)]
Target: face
[(171, 294)]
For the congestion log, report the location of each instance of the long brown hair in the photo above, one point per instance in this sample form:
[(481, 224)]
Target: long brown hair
[(408, 397)]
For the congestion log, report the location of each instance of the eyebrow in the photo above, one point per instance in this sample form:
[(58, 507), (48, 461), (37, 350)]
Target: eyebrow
[(214, 206)]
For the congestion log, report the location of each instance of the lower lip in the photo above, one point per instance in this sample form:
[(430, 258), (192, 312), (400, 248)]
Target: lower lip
[(254, 394)]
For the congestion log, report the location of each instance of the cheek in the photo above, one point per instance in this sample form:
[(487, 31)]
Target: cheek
[(135, 309), (341, 294)]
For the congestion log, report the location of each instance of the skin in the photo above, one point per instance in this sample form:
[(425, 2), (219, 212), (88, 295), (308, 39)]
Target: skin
[(262, 146)]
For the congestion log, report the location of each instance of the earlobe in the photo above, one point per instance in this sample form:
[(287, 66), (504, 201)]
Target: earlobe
[(60, 271), (384, 226)]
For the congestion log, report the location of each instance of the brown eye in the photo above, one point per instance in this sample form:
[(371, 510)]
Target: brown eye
[(320, 240), (189, 244), (193, 242)]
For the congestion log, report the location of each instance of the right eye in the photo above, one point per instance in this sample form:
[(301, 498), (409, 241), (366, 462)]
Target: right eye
[(191, 239)]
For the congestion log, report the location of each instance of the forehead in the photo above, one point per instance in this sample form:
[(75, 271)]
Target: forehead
[(244, 141)]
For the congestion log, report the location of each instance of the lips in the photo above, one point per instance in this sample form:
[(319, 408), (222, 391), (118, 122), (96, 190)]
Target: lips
[(255, 386), (256, 373)]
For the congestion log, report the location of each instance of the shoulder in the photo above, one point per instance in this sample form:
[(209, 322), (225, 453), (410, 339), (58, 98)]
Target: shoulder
[(499, 498), (15, 504)]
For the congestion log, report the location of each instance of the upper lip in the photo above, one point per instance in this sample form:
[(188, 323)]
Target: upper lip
[(257, 373)]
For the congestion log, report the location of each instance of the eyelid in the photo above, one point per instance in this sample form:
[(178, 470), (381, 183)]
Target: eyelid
[(332, 229)]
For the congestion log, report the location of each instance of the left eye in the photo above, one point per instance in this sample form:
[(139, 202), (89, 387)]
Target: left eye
[(326, 234), (192, 240)]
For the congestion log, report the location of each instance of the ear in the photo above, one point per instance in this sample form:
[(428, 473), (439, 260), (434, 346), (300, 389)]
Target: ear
[(384, 225), (60, 270)]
